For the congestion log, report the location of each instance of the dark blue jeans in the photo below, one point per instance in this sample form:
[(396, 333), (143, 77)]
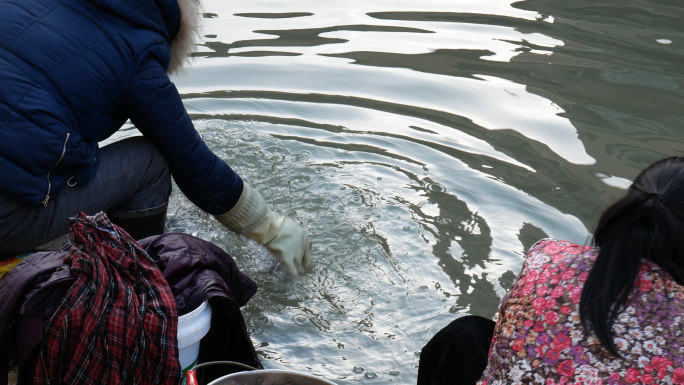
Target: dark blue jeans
[(133, 179)]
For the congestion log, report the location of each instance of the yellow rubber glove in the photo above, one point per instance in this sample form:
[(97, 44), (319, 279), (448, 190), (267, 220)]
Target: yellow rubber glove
[(252, 218)]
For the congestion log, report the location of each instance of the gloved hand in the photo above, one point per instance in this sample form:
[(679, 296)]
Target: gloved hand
[(252, 218)]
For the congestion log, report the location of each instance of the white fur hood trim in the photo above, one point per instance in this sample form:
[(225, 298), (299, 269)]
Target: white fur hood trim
[(186, 41)]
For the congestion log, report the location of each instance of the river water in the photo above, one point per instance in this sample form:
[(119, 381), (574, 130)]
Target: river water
[(424, 146)]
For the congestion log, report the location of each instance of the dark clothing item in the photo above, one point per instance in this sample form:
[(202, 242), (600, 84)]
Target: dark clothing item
[(118, 322), (133, 180), (457, 354), (72, 72), (35, 288), (196, 270)]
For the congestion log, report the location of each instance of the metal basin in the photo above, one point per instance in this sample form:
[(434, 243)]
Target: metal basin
[(270, 377)]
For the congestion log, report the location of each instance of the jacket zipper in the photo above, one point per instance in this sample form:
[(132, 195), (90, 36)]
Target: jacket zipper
[(47, 196)]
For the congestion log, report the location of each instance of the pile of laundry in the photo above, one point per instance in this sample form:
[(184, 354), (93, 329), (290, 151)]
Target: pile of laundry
[(104, 308)]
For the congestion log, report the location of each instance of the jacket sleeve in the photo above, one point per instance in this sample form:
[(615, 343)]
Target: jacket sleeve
[(155, 107)]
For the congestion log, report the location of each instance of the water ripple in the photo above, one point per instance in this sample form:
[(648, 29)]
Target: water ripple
[(424, 147)]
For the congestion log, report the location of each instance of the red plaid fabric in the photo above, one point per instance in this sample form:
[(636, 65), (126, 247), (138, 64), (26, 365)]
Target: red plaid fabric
[(117, 324)]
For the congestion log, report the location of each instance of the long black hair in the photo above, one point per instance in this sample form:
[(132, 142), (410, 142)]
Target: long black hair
[(647, 223)]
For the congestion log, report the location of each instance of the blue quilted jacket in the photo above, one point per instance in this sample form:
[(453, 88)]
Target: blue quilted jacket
[(71, 73)]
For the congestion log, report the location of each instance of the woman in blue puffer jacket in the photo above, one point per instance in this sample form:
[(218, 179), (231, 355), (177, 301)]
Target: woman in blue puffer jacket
[(72, 72)]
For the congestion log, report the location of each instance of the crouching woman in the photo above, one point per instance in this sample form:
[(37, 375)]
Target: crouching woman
[(608, 314)]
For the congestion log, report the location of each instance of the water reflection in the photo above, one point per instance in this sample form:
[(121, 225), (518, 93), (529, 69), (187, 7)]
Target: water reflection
[(297, 38), (590, 79), (460, 250), (425, 148)]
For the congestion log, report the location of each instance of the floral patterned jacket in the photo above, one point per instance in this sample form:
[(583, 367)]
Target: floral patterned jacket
[(539, 339)]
